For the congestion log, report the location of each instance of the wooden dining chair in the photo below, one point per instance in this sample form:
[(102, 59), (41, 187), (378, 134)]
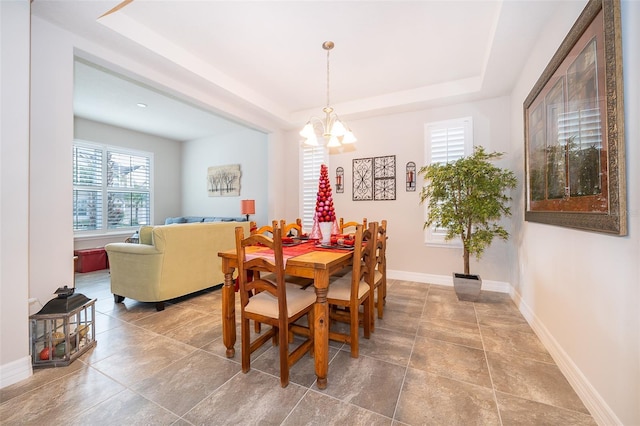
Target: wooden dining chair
[(379, 290), (353, 290), (276, 303), (264, 230), (344, 225), (286, 228), (291, 229)]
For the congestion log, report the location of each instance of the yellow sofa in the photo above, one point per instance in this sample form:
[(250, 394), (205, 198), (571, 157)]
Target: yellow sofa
[(170, 261)]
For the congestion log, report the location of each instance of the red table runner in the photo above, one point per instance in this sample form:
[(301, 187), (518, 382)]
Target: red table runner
[(290, 251)]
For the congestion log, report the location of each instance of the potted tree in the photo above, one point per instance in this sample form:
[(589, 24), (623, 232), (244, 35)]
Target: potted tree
[(467, 197)]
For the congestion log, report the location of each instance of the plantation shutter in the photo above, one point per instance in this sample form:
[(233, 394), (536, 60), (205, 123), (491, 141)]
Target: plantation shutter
[(128, 189), (111, 188), (446, 141), (87, 188), (312, 158)]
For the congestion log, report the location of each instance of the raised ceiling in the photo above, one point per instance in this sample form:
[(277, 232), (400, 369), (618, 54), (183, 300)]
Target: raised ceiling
[(390, 56)]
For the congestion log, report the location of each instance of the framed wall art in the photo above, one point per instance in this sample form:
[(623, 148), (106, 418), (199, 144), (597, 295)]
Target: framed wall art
[(574, 129), (223, 181)]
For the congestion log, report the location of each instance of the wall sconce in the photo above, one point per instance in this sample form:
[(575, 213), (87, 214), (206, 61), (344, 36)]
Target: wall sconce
[(411, 176), (248, 207), (340, 179)]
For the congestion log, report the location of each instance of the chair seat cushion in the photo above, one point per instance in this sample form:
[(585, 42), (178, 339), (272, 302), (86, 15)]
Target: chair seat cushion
[(291, 279), (377, 277), (340, 289), (266, 304)]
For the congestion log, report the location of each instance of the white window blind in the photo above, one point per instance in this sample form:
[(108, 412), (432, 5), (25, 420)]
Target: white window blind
[(311, 160), (111, 188), (446, 141)]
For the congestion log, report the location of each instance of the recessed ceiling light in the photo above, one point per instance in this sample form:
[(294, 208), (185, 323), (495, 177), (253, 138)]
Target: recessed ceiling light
[(141, 105)]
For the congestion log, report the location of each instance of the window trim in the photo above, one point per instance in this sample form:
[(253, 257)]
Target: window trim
[(433, 237), (105, 230)]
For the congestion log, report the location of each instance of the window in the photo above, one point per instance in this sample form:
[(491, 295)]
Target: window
[(111, 188), (446, 141), (312, 158)]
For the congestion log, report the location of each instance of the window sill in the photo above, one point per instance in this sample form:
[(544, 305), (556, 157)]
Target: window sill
[(102, 236)]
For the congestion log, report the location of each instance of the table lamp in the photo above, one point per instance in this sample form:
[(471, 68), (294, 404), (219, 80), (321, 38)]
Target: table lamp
[(248, 207)]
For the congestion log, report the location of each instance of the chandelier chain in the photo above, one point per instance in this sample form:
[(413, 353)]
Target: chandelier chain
[(328, 86)]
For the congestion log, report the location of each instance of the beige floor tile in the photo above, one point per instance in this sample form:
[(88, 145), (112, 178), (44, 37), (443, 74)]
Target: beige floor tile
[(388, 346), (522, 412), (182, 385), (40, 377), (462, 333), (60, 400), (125, 408), (170, 318), (533, 380), (366, 382), (316, 409), (451, 360), (454, 311), (197, 332), (428, 399), (302, 372), (253, 398), (514, 341)]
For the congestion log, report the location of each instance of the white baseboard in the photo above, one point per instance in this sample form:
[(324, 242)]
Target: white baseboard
[(599, 409), (15, 371), (446, 280)]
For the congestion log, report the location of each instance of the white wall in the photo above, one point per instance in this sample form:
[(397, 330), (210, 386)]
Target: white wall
[(15, 363), (245, 147), (578, 289), (50, 195), (167, 175), (402, 135)]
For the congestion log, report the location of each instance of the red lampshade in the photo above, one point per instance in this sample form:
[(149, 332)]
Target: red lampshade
[(248, 206)]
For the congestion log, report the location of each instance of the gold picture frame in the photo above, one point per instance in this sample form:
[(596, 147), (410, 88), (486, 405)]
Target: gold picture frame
[(574, 129)]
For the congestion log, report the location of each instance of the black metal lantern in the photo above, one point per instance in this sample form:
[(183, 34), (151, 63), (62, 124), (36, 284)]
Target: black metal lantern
[(63, 329)]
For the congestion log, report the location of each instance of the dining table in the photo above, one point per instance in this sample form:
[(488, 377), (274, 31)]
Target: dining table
[(306, 259)]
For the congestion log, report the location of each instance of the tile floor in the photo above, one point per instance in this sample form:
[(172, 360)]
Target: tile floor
[(432, 361)]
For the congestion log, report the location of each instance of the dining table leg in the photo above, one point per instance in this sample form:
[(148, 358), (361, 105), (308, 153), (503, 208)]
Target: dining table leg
[(321, 327), (228, 310)]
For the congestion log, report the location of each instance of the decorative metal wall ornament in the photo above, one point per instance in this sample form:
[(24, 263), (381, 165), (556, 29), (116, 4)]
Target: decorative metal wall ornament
[(374, 178), (411, 176), (362, 179), (223, 181), (340, 180), (384, 178)]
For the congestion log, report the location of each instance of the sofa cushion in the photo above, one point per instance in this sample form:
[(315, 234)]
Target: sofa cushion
[(194, 219), (179, 219), (204, 219)]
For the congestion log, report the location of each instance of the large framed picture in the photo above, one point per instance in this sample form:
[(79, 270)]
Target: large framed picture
[(574, 129)]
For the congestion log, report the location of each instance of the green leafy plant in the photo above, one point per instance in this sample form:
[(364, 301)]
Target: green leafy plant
[(467, 197)]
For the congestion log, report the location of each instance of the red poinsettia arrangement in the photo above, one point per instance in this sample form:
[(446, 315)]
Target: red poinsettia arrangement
[(324, 201)]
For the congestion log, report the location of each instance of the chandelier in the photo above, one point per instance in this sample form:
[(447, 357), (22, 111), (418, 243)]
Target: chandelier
[(333, 130)]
